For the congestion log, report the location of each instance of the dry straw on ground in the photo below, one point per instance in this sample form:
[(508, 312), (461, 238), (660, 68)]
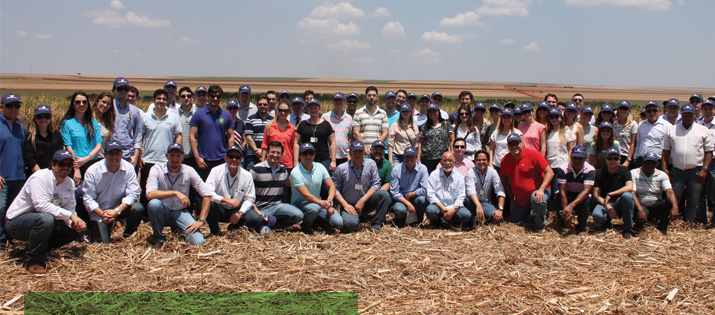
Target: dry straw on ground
[(493, 269)]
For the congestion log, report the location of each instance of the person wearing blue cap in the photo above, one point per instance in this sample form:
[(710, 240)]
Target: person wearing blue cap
[(202, 97), (422, 117), (482, 182), (238, 124), (352, 103), (306, 181), (688, 148), (43, 214), (571, 122), (624, 128), (370, 122), (651, 134), (128, 124), (707, 197), (498, 147), (575, 179), (111, 193), (408, 188), (464, 128), (359, 189), (605, 139), (650, 184), (613, 193), (254, 128), (697, 101), (41, 141), (391, 108), (297, 105), (446, 192), (437, 98), (587, 121), (481, 123), (557, 140), (495, 111), (320, 133), (402, 134), (170, 88), (531, 129), (605, 114), (542, 113), (672, 111), (211, 133), (411, 99), (342, 124), (12, 172), (246, 107), (435, 138), (284, 97), (167, 189)]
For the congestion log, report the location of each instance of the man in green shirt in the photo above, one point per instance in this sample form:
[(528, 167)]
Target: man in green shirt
[(384, 169)]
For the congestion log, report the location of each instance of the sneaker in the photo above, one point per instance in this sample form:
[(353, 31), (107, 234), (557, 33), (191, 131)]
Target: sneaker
[(376, 227), (265, 230), (627, 235), (36, 267)]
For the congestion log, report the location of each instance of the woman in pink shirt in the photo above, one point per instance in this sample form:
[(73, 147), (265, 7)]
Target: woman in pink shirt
[(530, 129)]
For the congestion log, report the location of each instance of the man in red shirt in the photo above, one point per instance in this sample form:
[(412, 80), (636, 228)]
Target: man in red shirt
[(526, 175)]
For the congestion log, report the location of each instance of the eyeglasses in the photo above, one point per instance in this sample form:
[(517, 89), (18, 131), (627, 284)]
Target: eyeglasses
[(577, 100), (215, 96), (233, 157), (44, 116), (308, 153), (185, 96), (284, 110), (650, 111), (79, 102), (65, 164), (460, 147), (13, 105), (262, 104), (613, 159), (123, 89), (463, 114)]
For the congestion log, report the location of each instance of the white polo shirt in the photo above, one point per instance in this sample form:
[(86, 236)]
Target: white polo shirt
[(688, 146), (41, 193), (239, 187), (650, 137)]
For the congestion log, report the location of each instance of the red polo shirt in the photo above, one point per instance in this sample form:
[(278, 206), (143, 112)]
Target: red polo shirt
[(525, 175)]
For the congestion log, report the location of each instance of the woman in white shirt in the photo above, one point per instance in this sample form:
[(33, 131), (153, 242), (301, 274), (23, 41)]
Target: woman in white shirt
[(556, 140), (466, 130), (498, 144)]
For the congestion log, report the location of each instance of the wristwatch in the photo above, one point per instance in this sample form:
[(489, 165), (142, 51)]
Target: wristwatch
[(202, 220), (330, 201), (501, 208), (705, 168), (118, 211)]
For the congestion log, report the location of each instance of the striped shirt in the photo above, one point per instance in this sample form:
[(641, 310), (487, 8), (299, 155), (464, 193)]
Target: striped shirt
[(649, 189), (370, 125), (255, 125), (269, 184), (576, 181), (343, 131)]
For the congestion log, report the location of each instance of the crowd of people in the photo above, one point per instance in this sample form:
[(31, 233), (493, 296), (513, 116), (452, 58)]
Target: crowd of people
[(283, 162)]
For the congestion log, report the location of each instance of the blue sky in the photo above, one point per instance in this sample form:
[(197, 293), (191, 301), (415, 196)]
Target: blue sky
[(593, 42)]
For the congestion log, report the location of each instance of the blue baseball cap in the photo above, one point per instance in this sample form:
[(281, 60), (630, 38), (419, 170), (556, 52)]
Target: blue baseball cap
[(112, 145), (709, 101), (357, 146), (10, 98), (244, 89), (572, 106), (297, 99), (517, 110), (378, 143), (578, 151), (390, 94), (527, 107), (698, 96), (306, 147), (175, 146), (405, 107), (411, 95), (624, 103), (231, 103), (314, 101), (235, 147), (120, 81), (410, 151), (353, 94), (436, 94), (424, 96), (586, 110), (612, 151), (480, 105), (43, 109), (507, 112), (284, 92), (605, 124), (169, 83), (543, 104), (652, 103), (513, 137), (555, 111), (433, 106), (607, 108), (339, 96), (62, 154), (509, 103), (201, 89), (650, 157), (269, 220), (495, 106), (687, 108), (672, 102)]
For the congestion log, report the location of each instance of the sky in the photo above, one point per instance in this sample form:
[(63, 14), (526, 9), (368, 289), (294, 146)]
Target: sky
[(590, 42)]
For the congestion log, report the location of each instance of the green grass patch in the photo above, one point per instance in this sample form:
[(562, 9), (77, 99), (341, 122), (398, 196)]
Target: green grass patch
[(190, 303)]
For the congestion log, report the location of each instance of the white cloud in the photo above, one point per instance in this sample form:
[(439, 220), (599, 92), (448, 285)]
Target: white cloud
[(42, 36), (681, 2), (428, 56), (21, 34), (187, 40), (439, 37), (505, 7), (339, 11), (330, 28), (117, 4), (381, 12), (393, 30), (659, 5), (507, 41), (533, 46), (347, 44), (114, 20), (470, 18)]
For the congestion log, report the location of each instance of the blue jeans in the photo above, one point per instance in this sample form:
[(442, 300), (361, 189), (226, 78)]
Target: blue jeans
[(487, 207), (522, 213), (684, 182), (707, 196), (581, 211), (624, 206), (102, 232), (312, 211), (435, 214), (160, 217), (41, 231), (400, 210), (286, 214), (380, 202), (7, 196)]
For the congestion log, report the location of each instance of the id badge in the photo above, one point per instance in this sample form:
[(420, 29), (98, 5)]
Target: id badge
[(314, 139), (358, 187)]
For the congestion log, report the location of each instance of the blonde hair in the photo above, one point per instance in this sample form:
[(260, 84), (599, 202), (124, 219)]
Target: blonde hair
[(267, 131), (31, 131), (562, 130)]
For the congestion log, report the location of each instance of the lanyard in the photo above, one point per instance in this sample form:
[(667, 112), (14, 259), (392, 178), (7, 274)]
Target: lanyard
[(231, 183), (482, 181), (356, 173), (168, 175)]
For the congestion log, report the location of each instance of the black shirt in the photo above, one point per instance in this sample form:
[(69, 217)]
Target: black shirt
[(322, 132), (41, 154), (608, 182)]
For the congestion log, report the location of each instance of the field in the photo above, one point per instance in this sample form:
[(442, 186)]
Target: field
[(494, 269)]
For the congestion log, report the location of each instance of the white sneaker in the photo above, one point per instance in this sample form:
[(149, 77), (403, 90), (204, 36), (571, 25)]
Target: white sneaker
[(265, 230)]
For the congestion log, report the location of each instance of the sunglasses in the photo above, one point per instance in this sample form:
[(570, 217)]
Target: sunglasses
[(215, 96), (576, 100), (284, 110), (437, 99), (233, 157), (65, 164), (352, 102), (650, 111), (262, 104), (79, 102), (185, 96), (44, 116), (123, 89), (233, 108), (13, 105), (308, 153), (460, 147), (555, 117), (613, 159), (463, 114)]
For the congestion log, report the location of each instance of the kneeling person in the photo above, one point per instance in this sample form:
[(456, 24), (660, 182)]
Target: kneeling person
[(111, 192), (306, 180), (408, 187), (576, 179), (43, 213), (446, 193), (614, 194), (649, 185), (359, 191), (482, 182)]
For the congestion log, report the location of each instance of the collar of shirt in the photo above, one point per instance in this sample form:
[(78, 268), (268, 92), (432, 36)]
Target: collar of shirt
[(180, 111)]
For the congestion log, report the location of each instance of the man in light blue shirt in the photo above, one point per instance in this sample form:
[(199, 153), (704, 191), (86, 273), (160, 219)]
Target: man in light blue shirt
[(128, 123), (446, 193), (306, 180), (483, 181), (358, 189), (408, 188), (110, 193)]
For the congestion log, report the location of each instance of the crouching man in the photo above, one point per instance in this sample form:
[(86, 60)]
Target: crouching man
[(43, 213), (446, 193), (614, 194)]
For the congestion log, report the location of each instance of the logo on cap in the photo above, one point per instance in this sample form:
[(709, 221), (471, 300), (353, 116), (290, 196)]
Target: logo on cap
[(357, 146), (175, 146), (410, 151), (578, 151), (306, 146), (513, 137), (298, 99)]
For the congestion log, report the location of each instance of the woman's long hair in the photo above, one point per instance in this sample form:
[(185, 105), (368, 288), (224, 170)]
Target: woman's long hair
[(32, 131), (562, 129), (470, 122), (86, 120), (600, 146), (107, 117)]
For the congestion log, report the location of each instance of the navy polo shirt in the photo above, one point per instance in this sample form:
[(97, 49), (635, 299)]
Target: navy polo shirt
[(12, 139), (212, 139)]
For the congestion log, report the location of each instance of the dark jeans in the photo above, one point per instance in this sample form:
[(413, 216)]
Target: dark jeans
[(380, 202), (102, 232), (431, 164), (340, 161), (581, 210), (195, 198), (659, 211), (41, 231), (142, 182), (7, 196)]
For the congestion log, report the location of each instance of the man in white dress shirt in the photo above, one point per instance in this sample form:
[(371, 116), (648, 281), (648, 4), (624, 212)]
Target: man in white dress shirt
[(446, 193)]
